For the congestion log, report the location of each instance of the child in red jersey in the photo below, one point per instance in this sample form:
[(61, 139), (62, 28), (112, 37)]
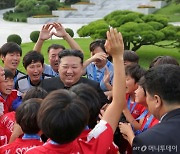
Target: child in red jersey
[(63, 116), (6, 127), (7, 93), (7, 121), (91, 100), (146, 119), (26, 117), (132, 110), (133, 73)]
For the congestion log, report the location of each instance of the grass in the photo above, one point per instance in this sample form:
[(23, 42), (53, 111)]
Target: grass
[(172, 11), (146, 53)]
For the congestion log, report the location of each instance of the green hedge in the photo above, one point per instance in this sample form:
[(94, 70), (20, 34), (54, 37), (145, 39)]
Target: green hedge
[(14, 38)]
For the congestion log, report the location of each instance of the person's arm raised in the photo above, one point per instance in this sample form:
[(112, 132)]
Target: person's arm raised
[(61, 32), (115, 47), (45, 34)]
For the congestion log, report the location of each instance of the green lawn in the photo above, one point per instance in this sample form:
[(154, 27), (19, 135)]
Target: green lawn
[(172, 11), (146, 53)]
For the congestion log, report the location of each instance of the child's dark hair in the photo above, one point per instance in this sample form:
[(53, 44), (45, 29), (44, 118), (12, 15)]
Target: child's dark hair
[(130, 56), (91, 98), (135, 71), (8, 74), (26, 115), (160, 60), (62, 116), (10, 47), (99, 43), (32, 57), (35, 92)]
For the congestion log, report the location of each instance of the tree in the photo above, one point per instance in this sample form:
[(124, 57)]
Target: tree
[(176, 1), (137, 29)]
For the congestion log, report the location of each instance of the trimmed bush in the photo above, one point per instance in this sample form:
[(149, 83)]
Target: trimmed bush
[(23, 20), (14, 38), (34, 36), (70, 31)]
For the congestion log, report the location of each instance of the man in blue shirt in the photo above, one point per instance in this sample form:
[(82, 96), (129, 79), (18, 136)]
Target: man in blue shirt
[(98, 67), (53, 50)]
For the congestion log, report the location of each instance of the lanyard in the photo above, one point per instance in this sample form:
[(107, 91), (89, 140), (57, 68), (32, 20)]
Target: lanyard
[(102, 74), (148, 122), (142, 115), (15, 77), (54, 143), (31, 136), (129, 106)]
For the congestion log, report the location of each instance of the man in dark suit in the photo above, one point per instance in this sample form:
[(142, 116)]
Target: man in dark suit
[(70, 70), (162, 85)]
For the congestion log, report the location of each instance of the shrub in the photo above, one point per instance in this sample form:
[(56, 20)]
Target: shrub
[(70, 31), (10, 18), (23, 20), (34, 36), (14, 38), (53, 4)]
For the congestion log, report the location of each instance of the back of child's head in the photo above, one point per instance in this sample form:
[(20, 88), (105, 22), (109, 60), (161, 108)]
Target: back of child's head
[(130, 57), (135, 71), (10, 47), (32, 57), (91, 98), (26, 115), (62, 116), (160, 60), (35, 92), (8, 74)]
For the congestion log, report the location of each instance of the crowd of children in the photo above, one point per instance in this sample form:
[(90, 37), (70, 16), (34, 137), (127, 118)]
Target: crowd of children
[(104, 114)]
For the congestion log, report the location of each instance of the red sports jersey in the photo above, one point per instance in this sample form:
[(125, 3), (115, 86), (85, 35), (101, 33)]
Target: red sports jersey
[(153, 122), (97, 141), (136, 109), (7, 104), (6, 127), (19, 146), (10, 98)]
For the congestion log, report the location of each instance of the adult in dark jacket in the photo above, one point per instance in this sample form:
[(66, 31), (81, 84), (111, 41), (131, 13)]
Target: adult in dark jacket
[(162, 85), (70, 70)]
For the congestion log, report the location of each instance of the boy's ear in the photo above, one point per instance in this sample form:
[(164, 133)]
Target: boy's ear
[(158, 101)]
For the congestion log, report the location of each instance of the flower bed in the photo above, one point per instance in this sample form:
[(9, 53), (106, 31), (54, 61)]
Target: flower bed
[(67, 9), (145, 6), (85, 3), (44, 16)]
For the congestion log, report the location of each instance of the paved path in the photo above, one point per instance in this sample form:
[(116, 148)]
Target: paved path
[(24, 29)]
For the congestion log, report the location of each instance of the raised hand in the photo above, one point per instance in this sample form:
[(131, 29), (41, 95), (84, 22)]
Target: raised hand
[(100, 56), (60, 31), (106, 75), (114, 44), (45, 32)]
